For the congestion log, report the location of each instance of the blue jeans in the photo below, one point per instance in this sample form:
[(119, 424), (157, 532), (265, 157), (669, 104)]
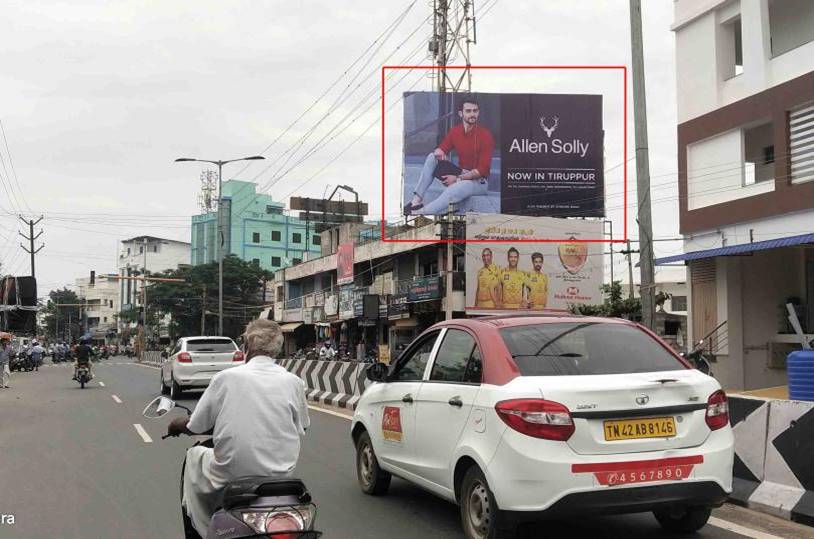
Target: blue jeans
[(457, 193)]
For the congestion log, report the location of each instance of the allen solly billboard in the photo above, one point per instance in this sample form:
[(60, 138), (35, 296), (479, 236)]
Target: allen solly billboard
[(515, 154)]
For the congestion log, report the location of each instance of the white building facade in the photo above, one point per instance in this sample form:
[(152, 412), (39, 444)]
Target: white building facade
[(745, 75), (154, 254), (101, 299)]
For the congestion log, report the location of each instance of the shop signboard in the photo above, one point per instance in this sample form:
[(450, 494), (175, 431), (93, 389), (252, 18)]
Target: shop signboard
[(424, 289)]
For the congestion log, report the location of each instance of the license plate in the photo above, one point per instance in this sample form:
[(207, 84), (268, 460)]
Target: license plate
[(635, 429)]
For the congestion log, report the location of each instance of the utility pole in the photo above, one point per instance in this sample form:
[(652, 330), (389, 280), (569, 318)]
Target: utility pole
[(642, 168), (31, 237), (454, 30), (449, 236), (628, 252), (203, 312)]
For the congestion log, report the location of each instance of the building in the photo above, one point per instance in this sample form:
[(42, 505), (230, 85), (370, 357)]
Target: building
[(101, 299), (396, 291), (256, 230), (745, 75), (150, 252)]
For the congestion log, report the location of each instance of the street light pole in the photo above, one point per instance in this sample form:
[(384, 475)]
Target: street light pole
[(221, 235)]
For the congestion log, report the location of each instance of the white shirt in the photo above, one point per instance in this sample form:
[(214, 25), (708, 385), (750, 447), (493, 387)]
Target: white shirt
[(259, 412)]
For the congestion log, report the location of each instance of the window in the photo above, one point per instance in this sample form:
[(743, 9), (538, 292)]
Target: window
[(791, 24), (275, 235), (801, 139), (453, 357), (128, 251), (256, 262), (105, 319), (255, 237), (410, 368), (296, 237), (297, 261), (155, 248), (585, 348), (758, 154), (316, 239), (678, 303), (671, 328), (275, 261), (141, 249), (731, 51), (211, 345)]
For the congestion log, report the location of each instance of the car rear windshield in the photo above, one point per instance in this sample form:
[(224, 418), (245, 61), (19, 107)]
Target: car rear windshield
[(576, 348), (211, 345)]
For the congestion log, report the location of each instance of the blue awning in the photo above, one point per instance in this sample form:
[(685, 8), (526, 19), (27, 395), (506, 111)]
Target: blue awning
[(739, 249)]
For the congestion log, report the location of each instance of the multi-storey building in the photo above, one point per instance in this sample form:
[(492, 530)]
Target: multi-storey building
[(745, 75), (255, 229), (101, 299)]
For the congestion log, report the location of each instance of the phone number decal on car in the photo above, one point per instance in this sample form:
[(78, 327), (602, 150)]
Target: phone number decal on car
[(642, 471)]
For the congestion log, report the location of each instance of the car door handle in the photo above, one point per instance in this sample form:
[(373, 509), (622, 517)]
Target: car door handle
[(456, 401), (407, 398)]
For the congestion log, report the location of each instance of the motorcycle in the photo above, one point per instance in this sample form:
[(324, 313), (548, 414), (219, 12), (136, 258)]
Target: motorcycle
[(252, 506), (82, 374), (16, 362)]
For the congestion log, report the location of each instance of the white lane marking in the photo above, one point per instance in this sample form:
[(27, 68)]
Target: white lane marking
[(117, 399), (330, 412), (142, 433), (102, 384), (742, 530)]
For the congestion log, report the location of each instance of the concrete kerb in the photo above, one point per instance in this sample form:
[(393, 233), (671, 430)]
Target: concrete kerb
[(774, 468)]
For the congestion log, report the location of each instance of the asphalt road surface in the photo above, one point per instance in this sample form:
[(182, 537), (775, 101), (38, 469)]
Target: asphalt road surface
[(73, 464)]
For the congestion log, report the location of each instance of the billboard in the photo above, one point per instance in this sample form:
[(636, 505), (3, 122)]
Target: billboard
[(344, 263), (509, 276), (518, 154)]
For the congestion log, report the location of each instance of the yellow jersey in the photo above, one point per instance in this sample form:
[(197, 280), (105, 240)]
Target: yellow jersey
[(513, 281), (537, 283), (488, 283)]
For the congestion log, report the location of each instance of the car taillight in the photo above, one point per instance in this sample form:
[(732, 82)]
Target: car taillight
[(238, 356), (184, 357), (717, 410), (537, 418)]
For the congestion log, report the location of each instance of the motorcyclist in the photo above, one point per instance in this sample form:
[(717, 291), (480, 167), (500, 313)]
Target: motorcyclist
[(256, 412), (83, 354)]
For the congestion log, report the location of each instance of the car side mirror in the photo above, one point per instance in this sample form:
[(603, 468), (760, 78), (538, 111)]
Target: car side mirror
[(377, 372)]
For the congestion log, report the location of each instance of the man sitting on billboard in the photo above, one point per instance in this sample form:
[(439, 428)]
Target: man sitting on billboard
[(474, 144), (513, 281), (488, 294), (537, 284)]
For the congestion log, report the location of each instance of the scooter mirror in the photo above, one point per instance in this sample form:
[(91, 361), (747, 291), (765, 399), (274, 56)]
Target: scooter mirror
[(158, 407)]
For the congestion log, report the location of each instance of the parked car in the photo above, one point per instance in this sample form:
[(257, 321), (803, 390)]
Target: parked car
[(521, 417), (193, 362)]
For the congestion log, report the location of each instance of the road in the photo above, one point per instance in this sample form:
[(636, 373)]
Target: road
[(73, 465)]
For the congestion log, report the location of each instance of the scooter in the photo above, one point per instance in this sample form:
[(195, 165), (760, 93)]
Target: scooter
[(83, 374), (252, 506)]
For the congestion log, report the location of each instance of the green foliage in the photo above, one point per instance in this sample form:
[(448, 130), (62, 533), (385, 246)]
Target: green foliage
[(242, 282), (57, 319), (614, 306)]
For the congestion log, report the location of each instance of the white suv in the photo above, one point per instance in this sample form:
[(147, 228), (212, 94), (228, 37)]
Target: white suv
[(195, 360), (529, 417)]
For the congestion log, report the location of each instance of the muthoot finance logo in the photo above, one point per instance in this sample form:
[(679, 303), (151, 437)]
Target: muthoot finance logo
[(554, 146)]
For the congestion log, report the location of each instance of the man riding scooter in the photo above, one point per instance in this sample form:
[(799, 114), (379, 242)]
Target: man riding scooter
[(256, 412), (83, 353)]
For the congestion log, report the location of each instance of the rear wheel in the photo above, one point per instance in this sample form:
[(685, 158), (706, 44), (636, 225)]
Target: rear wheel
[(480, 516), (82, 383), (175, 390), (372, 479), (683, 519)]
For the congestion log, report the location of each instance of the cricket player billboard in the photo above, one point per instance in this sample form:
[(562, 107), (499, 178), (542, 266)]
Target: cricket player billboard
[(511, 275), (518, 154)]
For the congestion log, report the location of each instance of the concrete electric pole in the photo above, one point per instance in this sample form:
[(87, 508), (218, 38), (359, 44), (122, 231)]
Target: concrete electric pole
[(31, 237), (644, 220)]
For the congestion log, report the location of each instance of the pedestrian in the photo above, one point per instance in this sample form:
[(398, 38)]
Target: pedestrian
[(37, 352), (5, 357)]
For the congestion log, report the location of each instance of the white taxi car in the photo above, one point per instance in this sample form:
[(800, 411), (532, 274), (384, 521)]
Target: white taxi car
[(526, 417), (194, 361)]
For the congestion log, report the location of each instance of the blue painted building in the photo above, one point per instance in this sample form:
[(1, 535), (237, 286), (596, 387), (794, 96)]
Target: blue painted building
[(255, 230)]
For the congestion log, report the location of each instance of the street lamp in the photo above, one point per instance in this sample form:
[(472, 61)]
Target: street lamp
[(220, 224)]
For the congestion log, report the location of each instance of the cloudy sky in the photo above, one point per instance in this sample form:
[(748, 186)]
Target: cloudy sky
[(98, 98)]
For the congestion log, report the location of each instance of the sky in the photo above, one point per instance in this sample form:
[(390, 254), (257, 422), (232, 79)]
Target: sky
[(97, 99)]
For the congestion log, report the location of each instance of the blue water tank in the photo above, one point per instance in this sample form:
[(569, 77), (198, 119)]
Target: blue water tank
[(800, 369)]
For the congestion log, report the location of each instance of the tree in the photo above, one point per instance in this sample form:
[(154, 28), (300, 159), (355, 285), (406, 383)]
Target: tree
[(62, 323), (614, 306), (242, 282)]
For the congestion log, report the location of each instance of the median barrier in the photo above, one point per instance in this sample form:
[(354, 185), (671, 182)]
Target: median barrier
[(337, 383), (774, 456)]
